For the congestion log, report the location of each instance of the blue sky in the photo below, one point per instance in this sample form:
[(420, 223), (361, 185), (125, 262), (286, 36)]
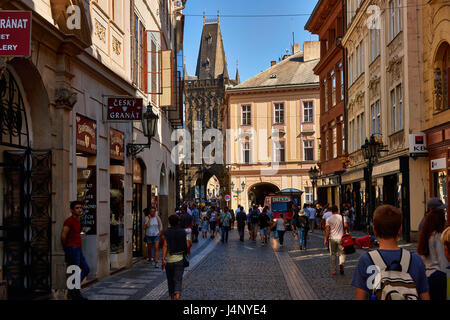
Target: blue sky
[(254, 41)]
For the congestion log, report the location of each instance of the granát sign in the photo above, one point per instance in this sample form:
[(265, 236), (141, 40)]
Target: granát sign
[(124, 109), (15, 33)]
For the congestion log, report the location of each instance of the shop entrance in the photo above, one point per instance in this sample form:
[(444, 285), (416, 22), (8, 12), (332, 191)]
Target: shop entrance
[(25, 183), (138, 179), (390, 194)]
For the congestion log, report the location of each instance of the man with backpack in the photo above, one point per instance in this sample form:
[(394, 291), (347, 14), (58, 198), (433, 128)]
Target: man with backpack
[(241, 218), (303, 227), (390, 273)]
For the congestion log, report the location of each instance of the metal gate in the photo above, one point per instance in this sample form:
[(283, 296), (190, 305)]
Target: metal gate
[(27, 222)]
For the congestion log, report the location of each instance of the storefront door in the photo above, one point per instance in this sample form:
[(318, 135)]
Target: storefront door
[(137, 220), (27, 222)]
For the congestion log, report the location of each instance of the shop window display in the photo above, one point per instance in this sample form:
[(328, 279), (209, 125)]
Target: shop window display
[(117, 211)]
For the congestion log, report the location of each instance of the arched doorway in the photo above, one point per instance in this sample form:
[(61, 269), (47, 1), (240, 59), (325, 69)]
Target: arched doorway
[(163, 196), (258, 192), (25, 181)]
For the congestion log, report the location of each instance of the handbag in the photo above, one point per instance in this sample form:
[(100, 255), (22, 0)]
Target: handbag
[(347, 241), (185, 260)]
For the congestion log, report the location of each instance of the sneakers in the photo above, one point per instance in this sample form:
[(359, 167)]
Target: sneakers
[(156, 264)]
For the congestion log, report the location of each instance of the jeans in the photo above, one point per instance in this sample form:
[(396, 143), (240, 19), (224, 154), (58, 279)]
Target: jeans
[(225, 231), (74, 256), (281, 236), (336, 249), (241, 230), (302, 235), (174, 273), (438, 285)]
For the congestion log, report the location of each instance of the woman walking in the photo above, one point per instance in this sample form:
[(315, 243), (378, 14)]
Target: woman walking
[(431, 249), (153, 230), (213, 221), (281, 228), (225, 222), (174, 249)]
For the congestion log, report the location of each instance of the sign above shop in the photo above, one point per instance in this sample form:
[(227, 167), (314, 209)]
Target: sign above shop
[(124, 109), (418, 145), (15, 33), (86, 135), (116, 144), (438, 164)]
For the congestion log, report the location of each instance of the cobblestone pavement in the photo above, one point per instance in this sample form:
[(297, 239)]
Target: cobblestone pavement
[(138, 282), (315, 265), (238, 271)]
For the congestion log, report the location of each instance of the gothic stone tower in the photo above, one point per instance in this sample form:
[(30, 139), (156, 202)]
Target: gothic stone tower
[(204, 101)]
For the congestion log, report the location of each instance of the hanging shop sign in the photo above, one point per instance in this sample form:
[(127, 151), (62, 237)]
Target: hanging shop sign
[(15, 33), (86, 135), (418, 145), (124, 109), (438, 164), (88, 196), (116, 144)]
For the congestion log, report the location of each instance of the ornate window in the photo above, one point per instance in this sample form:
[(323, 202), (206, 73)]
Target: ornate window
[(13, 120), (441, 78)]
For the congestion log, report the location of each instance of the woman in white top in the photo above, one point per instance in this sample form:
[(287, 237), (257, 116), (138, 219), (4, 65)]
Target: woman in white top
[(431, 249), (281, 228), (153, 230)]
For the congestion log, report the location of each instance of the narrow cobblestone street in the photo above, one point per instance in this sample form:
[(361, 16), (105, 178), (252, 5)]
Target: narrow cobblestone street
[(241, 271)]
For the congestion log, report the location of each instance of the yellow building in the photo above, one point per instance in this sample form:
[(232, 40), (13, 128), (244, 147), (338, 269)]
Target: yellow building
[(436, 30), (385, 99), (273, 126)]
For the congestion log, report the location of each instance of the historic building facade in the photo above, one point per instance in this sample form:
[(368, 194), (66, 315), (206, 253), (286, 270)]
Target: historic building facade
[(273, 120), (436, 30), (385, 99), (327, 22), (204, 109), (63, 149)]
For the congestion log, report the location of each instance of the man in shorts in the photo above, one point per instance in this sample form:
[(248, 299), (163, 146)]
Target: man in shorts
[(264, 222)]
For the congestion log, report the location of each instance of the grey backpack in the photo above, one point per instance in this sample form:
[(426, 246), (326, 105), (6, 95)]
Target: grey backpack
[(393, 284)]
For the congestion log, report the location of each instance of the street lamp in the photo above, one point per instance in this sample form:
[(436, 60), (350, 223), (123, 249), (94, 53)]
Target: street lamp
[(313, 175), (238, 191), (371, 151), (149, 125)]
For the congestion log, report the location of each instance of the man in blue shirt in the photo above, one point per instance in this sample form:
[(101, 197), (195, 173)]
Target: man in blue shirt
[(387, 222), (195, 222)]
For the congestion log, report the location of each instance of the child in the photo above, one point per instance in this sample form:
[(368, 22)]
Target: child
[(205, 224), (387, 223)]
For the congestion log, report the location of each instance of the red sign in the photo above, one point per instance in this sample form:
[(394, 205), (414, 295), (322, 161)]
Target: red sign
[(86, 135), (15, 33), (124, 109), (116, 144)]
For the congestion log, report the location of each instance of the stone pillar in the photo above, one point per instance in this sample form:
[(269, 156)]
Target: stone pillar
[(64, 100)]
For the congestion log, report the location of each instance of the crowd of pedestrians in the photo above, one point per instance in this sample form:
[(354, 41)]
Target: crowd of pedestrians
[(423, 275)]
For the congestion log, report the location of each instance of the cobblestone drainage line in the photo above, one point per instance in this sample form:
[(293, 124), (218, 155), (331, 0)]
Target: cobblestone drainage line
[(299, 287), (161, 290)]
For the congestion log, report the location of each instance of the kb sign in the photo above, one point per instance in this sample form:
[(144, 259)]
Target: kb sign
[(418, 145), (124, 109)]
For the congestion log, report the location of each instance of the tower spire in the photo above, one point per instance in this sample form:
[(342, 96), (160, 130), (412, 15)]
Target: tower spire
[(218, 15), (204, 16), (238, 78)]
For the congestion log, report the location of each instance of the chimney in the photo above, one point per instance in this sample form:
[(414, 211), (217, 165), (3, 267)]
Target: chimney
[(311, 50), (272, 63), (296, 48)]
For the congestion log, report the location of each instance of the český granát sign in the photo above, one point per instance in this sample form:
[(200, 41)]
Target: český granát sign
[(15, 33), (124, 109)]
